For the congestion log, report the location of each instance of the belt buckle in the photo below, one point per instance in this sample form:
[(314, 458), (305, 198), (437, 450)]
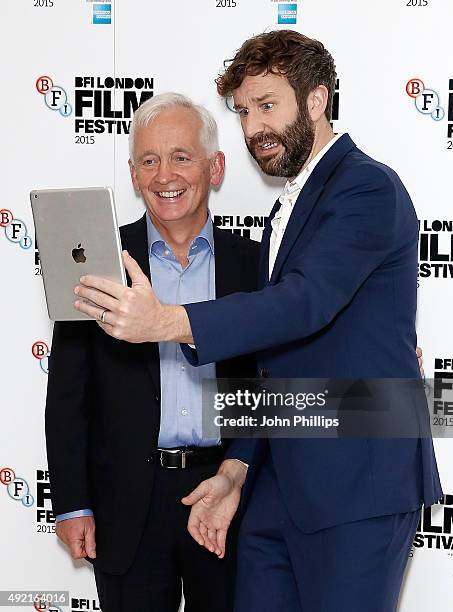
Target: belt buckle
[(173, 452)]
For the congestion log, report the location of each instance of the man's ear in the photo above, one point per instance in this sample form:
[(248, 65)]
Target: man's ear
[(217, 168), (317, 102), (133, 176)]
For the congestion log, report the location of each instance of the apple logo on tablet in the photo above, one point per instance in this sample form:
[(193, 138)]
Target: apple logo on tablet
[(78, 254)]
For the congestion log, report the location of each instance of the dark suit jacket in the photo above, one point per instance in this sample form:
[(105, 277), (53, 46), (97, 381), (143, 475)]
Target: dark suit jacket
[(341, 302), (103, 408)]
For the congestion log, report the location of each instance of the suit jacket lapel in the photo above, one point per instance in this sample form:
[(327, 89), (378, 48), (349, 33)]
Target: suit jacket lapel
[(263, 272), (308, 197), (135, 240), (299, 217)]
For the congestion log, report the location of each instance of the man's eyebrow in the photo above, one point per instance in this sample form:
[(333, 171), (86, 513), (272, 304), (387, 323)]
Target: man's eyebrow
[(147, 152), (268, 94), (181, 150), (172, 150)]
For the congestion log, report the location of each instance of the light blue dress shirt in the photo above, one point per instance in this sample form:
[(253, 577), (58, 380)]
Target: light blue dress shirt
[(181, 388)]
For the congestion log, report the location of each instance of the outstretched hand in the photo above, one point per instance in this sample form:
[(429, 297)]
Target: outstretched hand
[(214, 503)]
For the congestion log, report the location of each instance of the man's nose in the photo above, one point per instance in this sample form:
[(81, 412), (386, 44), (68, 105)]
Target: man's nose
[(252, 124), (165, 172)]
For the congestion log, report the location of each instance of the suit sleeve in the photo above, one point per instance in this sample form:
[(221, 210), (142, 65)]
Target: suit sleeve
[(67, 416), (242, 450), (355, 235)]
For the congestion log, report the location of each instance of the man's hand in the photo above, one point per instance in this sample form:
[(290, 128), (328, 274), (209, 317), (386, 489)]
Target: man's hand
[(214, 503), (132, 313), (78, 535), (419, 352)]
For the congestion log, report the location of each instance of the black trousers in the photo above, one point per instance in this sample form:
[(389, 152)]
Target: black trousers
[(168, 561)]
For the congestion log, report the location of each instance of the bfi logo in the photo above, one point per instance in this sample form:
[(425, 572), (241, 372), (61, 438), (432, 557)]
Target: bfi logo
[(55, 97), (427, 101), (15, 229), (16, 486), (40, 351)]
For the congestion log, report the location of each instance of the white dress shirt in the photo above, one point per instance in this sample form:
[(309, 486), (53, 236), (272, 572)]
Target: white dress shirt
[(287, 198)]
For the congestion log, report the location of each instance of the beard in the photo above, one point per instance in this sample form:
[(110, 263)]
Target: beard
[(297, 140)]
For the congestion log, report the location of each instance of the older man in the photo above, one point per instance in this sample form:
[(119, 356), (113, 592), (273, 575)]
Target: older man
[(329, 523), (123, 421)]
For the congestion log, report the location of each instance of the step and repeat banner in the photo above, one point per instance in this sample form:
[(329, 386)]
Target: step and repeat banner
[(72, 73)]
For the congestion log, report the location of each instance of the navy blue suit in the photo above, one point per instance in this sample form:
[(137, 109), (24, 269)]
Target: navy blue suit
[(341, 303)]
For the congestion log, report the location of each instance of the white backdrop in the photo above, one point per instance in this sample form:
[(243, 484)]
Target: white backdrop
[(378, 46)]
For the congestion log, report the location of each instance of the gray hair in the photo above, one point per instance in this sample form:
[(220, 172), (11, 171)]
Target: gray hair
[(152, 107)]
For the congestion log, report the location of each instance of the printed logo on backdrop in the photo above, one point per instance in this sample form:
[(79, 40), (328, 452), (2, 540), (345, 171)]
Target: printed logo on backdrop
[(45, 518), (441, 393), (43, 606), (41, 353), (336, 104), (240, 224), (37, 264), (450, 115), (435, 530), (102, 104), (105, 105), (286, 12), (428, 102), (101, 11), (15, 229), (79, 603), (102, 14), (16, 487), (76, 605), (55, 96), (18, 491), (435, 249)]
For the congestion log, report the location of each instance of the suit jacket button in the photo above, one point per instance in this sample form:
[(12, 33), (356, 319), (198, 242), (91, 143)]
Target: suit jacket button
[(149, 459), (157, 398), (263, 372)]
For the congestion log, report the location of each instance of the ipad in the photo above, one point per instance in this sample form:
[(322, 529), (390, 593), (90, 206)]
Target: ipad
[(76, 234)]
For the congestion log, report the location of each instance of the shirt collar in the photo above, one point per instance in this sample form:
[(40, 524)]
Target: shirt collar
[(206, 234), (299, 181)]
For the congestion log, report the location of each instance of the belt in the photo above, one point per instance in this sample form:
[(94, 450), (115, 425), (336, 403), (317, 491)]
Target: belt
[(188, 456)]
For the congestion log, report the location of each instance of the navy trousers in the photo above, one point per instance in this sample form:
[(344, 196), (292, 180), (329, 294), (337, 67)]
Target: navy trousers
[(354, 567)]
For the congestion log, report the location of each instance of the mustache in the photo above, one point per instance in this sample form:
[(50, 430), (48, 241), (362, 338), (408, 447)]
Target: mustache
[(258, 140)]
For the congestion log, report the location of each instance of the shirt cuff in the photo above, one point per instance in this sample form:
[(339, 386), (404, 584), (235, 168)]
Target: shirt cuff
[(74, 514), (243, 462)]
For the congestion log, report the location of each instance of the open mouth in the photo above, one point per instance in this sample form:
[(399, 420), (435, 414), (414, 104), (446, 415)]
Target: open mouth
[(268, 147), (170, 195)]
